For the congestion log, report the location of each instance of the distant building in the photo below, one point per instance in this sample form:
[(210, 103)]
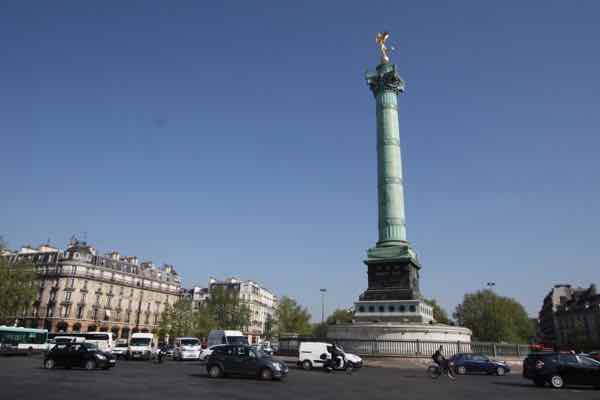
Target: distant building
[(548, 325), (261, 302), (197, 295), (578, 319), (79, 290)]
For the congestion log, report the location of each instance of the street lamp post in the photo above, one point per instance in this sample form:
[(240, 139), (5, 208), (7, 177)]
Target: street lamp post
[(323, 304), (491, 286)]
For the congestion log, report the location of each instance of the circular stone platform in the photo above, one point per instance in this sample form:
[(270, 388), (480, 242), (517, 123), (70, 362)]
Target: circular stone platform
[(400, 331)]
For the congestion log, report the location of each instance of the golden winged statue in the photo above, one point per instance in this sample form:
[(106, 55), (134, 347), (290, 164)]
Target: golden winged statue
[(385, 51)]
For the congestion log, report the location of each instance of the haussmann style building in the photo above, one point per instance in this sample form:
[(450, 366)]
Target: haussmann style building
[(80, 290)]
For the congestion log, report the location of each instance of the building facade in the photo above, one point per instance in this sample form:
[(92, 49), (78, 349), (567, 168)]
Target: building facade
[(79, 290), (261, 302), (578, 319), (197, 295), (548, 329)]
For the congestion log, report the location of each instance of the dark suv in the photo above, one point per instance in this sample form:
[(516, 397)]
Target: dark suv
[(244, 360), (560, 369), (84, 355)]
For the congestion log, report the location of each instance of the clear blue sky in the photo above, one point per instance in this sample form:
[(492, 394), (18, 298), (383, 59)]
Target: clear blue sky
[(239, 138)]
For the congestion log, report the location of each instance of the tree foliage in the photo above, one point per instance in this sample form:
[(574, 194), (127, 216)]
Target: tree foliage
[(292, 318), (439, 314), (17, 289), (494, 318), (227, 310), (340, 316), (223, 310)]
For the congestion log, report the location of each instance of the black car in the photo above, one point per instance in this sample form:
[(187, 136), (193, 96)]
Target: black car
[(559, 370), (84, 355), (465, 363), (244, 360)]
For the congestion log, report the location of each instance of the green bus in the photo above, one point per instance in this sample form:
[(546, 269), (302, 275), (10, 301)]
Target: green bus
[(15, 340)]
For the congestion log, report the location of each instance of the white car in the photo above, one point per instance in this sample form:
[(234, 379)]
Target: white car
[(187, 348), (120, 350)]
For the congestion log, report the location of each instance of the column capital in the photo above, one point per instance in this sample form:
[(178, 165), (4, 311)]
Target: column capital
[(385, 79)]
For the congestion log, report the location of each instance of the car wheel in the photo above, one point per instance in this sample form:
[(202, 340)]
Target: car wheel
[(214, 371), (557, 382), (266, 374), (539, 382), (500, 371), (461, 370), (306, 365), (49, 363), (90, 365)]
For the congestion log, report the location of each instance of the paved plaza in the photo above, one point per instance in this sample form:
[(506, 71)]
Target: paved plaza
[(23, 378)]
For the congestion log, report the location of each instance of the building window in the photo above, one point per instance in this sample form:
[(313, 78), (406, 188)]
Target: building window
[(371, 308), (381, 309), (97, 299), (95, 314), (71, 282), (68, 296), (391, 309), (85, 283), (108, 300), (402, 308), (412, 308), (80, 312)]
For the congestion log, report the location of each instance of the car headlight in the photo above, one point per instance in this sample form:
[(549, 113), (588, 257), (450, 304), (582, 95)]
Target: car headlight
[(100, 357), (277, 366)]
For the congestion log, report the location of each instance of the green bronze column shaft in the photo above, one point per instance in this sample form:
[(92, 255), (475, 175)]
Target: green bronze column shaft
[(386, 85)]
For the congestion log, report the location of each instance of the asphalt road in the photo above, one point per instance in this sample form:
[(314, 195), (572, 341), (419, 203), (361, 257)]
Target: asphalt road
[(23, 378)]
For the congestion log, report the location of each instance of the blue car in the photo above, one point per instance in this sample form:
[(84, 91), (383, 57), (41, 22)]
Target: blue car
[(466, 363)]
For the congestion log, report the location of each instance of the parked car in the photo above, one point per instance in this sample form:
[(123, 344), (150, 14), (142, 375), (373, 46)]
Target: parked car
[(466, 363), (85, 355), (560, 369), (244, 360), (120, 350)]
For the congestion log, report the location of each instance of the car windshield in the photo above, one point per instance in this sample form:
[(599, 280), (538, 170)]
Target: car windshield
[(121, 345), (190, 342), (139, 342)]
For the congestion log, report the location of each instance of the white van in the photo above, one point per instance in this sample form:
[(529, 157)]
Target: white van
[(141, 346), (314, 354), (219, 338), (187, 348), (216, 337)]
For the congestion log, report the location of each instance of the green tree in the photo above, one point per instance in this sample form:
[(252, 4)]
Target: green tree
[(439, 314), (177, 319), (320, 330), (227, 310), (292, 318), (340, 316), (269, 327), (494, 318), (17, 288)]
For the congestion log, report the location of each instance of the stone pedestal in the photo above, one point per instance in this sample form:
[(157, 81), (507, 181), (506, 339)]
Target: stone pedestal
[(400, 331)]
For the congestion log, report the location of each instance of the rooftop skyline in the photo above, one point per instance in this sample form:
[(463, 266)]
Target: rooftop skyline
[(239, 139)]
